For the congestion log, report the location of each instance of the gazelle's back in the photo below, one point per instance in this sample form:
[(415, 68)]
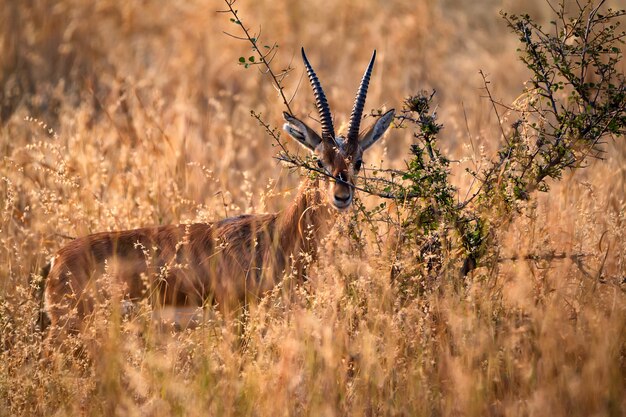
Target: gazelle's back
[(172, 265)]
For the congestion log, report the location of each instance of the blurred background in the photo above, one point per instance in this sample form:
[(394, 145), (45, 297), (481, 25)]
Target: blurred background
[(122, 114)]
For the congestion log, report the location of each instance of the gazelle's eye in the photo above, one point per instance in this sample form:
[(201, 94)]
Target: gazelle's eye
[(357, 165), (320, 164)]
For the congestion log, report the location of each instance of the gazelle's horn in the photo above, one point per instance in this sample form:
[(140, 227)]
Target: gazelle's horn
[(328, 131), (359, 104)]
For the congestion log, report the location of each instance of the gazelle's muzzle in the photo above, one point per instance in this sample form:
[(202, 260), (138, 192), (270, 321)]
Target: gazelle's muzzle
[(341, 192)]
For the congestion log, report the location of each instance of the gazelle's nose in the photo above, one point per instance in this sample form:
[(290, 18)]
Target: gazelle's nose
[(342, 198), (341, 191)]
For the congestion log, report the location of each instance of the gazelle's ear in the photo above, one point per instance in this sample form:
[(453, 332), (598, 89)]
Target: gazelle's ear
[(298, 130), (377, 130)]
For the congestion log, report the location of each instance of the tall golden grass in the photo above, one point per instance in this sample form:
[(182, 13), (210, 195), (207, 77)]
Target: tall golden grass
[(117, 115)]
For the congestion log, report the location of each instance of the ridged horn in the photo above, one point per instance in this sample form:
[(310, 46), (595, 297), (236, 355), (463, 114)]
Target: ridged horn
[(328, 131), (359, 104)]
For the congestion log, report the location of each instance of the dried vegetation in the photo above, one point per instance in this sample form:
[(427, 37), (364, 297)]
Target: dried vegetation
[(117, 115)]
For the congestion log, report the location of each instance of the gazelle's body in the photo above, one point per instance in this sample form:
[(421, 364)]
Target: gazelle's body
[(227, 262)]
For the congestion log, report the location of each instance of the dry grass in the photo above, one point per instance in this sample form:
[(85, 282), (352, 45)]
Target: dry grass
[(147, 122)]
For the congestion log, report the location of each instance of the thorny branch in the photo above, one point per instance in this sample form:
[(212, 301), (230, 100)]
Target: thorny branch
[(266, 58)]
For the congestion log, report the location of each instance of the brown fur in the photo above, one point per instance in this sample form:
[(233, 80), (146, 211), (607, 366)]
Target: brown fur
[(228, 262)]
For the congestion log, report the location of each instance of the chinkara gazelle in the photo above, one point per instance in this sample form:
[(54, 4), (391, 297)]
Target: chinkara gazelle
[(228, 262)]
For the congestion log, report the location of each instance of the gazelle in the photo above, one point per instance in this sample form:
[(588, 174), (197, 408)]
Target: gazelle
[(226, 262)]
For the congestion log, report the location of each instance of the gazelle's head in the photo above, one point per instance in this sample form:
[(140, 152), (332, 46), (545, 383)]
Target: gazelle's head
[(339, 156)]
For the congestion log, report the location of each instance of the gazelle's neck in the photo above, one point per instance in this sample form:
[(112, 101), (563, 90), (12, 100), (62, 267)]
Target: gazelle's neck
[(306, 220)]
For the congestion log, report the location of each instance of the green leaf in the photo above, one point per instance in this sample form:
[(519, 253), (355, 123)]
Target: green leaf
[(251, 58), (242, 59)]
